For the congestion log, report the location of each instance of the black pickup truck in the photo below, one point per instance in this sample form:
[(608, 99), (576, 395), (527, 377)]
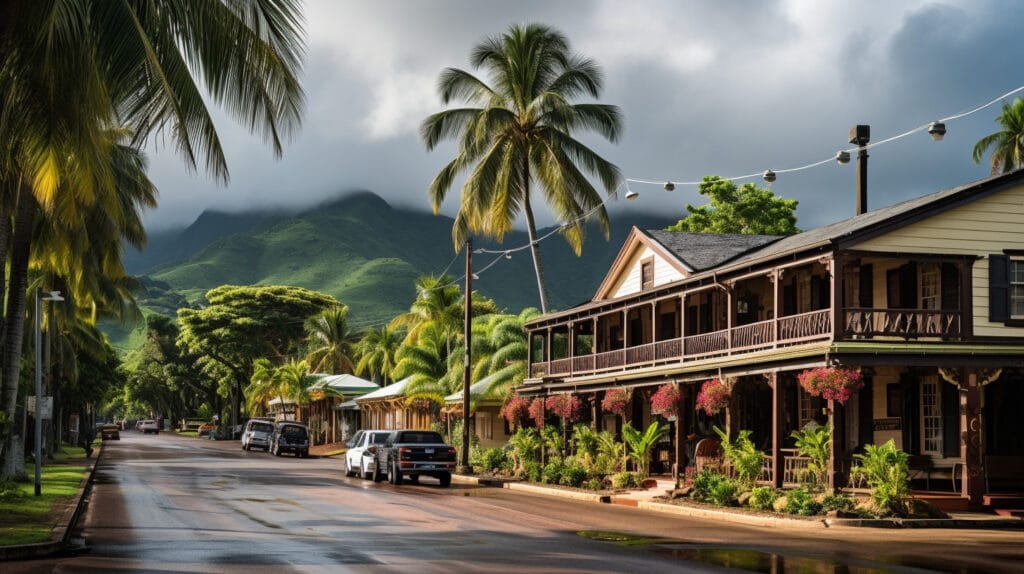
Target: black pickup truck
[(413, 453)]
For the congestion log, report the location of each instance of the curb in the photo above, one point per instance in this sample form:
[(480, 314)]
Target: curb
[(570, 494), (63, 527)]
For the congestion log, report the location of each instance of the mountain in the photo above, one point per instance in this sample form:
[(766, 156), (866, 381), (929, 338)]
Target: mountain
[(367, 254)]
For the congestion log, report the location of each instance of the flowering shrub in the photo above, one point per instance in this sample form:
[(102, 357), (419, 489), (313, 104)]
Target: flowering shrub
[(830, 383), (616, 401), (515, 409), (713, 396), (665, 401), (565, 406), (536, 411)]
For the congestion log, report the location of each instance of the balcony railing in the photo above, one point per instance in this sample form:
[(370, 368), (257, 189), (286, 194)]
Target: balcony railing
[(906, 323), (742, 339)]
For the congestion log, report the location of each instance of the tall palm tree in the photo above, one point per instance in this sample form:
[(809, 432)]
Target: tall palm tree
[(1007, 145), (427, 366), (520, 134), (71, 70), (331, 341), (377, 352)]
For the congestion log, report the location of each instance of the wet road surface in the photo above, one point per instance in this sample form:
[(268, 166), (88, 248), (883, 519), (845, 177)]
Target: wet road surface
[(174, 504)]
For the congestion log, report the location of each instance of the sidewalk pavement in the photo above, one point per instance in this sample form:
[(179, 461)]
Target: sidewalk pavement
[(647, 499), (60, 536)]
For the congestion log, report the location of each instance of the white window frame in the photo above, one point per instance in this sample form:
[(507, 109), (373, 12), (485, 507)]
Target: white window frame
[(931, 416), (1015, 287)]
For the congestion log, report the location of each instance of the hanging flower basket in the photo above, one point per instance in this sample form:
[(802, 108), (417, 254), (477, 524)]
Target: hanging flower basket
[(713, 396), (616, 401), (665, 401), (831, 383), (567, 407), (515, 409), (536, 411)]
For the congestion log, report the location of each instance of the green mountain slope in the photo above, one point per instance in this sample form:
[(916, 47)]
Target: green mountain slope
[(368, 255)]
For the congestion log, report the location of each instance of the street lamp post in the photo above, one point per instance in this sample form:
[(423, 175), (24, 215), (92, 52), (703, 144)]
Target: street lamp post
[(53, 296), (861, 135), (464, 468)]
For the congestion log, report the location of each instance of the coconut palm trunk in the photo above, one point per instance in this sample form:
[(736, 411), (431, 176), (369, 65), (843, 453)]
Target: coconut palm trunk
[(531, 228)]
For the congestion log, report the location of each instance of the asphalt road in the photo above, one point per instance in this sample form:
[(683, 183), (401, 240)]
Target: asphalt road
[(172, 504)]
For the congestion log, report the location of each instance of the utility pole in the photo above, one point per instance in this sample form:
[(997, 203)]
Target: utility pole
[(467, 330)]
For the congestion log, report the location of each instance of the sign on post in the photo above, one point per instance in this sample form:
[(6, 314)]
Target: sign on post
[(45, 407)]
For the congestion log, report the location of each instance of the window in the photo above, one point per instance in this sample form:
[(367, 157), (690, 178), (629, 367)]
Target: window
[(929, 286), (931, 416), (647, 274), (1017, 288), (484, 426)]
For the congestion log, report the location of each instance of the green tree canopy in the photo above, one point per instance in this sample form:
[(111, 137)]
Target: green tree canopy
[(748, 210), (1007, 144)]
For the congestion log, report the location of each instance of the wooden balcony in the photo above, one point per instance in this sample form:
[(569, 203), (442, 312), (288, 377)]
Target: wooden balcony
[(907, 323), (816, 325)]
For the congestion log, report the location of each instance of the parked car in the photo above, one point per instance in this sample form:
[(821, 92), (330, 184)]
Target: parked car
[(413, 453), (290, 436), (257, 434), (149, 426), (359, 461), (110, 431)]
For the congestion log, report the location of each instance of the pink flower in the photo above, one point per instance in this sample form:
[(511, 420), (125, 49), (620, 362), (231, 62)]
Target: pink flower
[(831, 383), (616, 401), (666, 400), (515, 409), (565, 406), (536, 411), (713, 396)]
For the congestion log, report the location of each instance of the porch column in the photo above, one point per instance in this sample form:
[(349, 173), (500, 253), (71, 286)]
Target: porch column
[(778, 463), (654, 321), (973, 476), (831, 445), (593, 340), (572, 345), (680, 466), (835, 267), (682, 326), (625, 331), (775, 278), (547, 347)]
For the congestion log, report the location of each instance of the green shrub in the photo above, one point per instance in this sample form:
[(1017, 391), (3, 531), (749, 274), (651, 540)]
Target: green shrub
[(886, 472), (704, 482), (724, 492), (533, 470), (814, 442), (490, 459), (762, 497), (625, 480), (573, 475), (741, 453), (799, 501), (552, 473), (593, 484), (840, 502)]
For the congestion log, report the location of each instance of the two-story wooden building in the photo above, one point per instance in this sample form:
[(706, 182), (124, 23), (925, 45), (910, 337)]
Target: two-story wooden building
[(925, 298)]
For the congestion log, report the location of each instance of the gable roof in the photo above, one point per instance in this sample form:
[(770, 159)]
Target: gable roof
[(347, 384), (477, 391), (389, 392), (701, 251)]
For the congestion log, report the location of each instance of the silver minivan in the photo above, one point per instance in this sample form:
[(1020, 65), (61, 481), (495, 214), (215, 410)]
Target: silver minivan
[(257, 434)]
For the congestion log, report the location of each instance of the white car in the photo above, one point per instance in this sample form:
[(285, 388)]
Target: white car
[(257, 434), (149, 426), (357, 460)]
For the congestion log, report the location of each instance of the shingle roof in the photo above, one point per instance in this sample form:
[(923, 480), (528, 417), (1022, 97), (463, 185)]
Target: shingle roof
[(700, 251)]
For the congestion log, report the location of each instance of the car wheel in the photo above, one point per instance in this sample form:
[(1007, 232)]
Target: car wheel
[(397, 473), (446, 479)]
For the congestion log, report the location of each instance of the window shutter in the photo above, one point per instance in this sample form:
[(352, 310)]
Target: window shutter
[(998, 288), (950, 419), (867, 286), (950, 287)]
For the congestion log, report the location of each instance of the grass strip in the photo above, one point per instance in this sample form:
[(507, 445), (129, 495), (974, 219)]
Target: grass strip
[(26, 518)]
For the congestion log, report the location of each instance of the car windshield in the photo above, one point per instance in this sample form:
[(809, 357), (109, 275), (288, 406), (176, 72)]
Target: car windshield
[(380, 438), (293, 431), (262, 427), (420, 437)]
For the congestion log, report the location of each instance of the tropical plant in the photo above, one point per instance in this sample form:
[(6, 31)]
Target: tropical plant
[(815, 443), (554, 441), (331, 342), (625, 479), (538, 411), (526, 444), (799, 501), (515, 409), (500, 350), (616, 401), (377, 351), (573, 475), (713, 396), (831, 383), (763, 497), (640, 444), (741, 453), (552, 473), (665, 401), (838, 502), (1007, 145), (521, 134), (885, 468), (705, 483), (585, 441), (490, 460), (747, 210), (611, 453)]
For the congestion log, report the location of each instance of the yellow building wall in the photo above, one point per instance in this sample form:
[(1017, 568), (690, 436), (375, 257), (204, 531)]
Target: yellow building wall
[(981, 227)]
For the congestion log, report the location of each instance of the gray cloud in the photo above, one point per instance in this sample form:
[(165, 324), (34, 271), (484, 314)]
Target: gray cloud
[(723, 88)]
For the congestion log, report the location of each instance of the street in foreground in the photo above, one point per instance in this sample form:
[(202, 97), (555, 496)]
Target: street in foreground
[(173, 504)]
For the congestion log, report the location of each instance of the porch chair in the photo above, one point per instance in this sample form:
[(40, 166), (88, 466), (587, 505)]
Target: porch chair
[(708, 454), (919, 464)]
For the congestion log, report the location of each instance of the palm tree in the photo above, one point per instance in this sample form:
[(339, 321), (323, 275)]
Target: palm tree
[(520, 134), (331, 342), (502, 353), (1007, 145), (377, 350), (72, 73), (428, 367)]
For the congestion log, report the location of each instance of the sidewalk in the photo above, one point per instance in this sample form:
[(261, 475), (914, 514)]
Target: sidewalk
[(648, 500), (60, 537)]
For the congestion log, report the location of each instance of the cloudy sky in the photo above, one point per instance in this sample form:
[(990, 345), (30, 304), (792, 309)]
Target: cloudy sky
[(705, 87)]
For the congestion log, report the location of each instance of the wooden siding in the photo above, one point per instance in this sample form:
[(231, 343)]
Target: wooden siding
[(985, 226), (629, 282)]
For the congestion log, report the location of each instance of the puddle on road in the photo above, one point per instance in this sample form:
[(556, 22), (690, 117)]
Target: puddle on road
[(750, 559)]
